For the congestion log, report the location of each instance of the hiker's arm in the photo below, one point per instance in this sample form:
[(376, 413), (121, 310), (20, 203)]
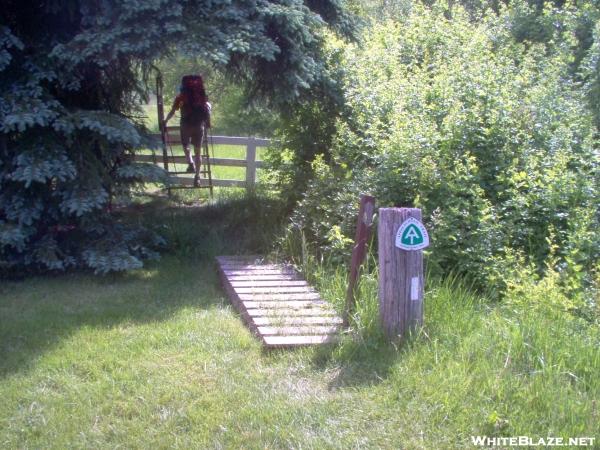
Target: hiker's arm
[(175, 107)]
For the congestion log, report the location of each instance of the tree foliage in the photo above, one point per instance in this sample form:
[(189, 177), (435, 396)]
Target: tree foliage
[(235, 111), (489, 131), (69, 84)]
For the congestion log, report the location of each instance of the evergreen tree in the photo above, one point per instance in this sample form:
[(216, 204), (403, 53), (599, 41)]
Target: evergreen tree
[(71, 75)]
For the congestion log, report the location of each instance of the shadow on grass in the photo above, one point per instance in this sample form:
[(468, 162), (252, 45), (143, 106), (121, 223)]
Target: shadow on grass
[(243, 224), (360, 360), (39, 313)]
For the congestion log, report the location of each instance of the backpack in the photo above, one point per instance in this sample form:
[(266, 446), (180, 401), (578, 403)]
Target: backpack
[(195, 109), (193, 88)]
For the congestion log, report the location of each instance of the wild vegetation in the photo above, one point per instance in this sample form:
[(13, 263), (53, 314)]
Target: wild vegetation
[(489, 124), (486, 115)]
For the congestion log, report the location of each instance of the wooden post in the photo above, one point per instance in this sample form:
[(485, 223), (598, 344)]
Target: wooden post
[(400, 271), (250, 162), (363, 233), (160, 109)]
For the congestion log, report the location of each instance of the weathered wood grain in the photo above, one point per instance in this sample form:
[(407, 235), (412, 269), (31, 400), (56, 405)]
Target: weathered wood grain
[(290, 312), (398, 311), (258, 283), (280, 296), (277, 321), (295, 341), (291, 331), (363, 233), (296, 304), (281, 308)]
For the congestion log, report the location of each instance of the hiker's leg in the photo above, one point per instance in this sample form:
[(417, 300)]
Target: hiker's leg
[(188, 154), (197, 141), (185, 142), (197, 157), (186, 137)]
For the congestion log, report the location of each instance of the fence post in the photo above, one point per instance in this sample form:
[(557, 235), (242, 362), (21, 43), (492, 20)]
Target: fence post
[(161, 117), (250, 162), (363, 233), (401, 237)]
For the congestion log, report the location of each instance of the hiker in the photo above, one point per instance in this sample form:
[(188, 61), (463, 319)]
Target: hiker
[(195, 117)]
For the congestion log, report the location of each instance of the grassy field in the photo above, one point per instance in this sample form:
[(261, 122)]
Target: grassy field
[(218, 151), (158, 358)]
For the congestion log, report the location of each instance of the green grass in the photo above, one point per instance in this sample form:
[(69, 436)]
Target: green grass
[(218, 151), (158, 358)]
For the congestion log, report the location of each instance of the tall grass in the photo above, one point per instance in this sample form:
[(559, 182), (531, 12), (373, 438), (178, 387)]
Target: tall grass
[(158, 358), (526, 366), (233, 222)]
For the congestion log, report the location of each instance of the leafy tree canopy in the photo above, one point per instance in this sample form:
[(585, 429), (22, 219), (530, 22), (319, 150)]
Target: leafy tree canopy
[(69, 85)]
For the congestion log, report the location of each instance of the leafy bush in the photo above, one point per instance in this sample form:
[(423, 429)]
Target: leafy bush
[(490, 134)]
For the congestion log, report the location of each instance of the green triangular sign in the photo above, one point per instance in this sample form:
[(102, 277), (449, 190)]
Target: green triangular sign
[(412, 235)]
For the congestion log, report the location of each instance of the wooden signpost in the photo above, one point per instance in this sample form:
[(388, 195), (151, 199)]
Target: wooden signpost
[(402, 237), (363, 233)]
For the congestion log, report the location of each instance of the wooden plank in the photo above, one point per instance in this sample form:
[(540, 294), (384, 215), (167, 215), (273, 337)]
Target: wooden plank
[(274, 290), (258, 283), (290, 313), (276, 297), (233, 266), (363, 233), (251, 162), (317, 305), (231, 140), (240, 258), (295, 341), (217, 140), (233, 272), (291, 331), (180, 159), (248, 262), (280, 321), (263, 277)]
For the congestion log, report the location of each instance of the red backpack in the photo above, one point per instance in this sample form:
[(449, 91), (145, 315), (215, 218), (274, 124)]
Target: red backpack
[(193, 88)]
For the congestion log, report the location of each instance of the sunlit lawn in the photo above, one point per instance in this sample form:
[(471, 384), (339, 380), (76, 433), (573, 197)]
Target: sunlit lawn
[(159, 359)]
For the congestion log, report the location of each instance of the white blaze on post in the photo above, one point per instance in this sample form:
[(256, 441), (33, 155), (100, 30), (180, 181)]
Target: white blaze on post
[(414, 288)]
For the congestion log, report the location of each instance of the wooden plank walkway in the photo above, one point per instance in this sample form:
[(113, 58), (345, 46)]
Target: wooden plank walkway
[(278, 306)]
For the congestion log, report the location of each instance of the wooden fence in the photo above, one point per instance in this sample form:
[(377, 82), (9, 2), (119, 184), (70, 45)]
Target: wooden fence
[(250, 163)]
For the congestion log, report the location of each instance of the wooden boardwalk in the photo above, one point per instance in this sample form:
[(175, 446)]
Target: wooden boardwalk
[(276, 303)]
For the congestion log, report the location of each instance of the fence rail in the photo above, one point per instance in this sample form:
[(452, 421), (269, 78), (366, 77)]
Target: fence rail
[(250, 162)]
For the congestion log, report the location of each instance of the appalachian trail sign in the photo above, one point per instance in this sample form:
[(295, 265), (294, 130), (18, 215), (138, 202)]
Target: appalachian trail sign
[(412, 235)]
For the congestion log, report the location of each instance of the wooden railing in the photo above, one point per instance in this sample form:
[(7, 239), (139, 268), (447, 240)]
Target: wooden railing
[(250, 163)]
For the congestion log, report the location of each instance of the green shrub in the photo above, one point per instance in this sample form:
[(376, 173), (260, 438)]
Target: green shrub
[(490, 135)]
